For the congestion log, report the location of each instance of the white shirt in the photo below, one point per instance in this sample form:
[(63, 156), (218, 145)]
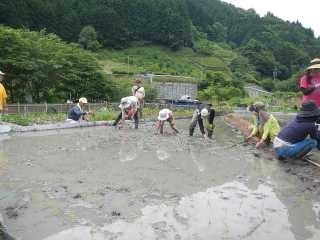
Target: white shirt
[(139, 93), (133, 101)]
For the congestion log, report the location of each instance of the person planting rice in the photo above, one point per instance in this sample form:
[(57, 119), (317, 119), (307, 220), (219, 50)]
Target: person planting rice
[(76, 113), (165, 115), (293, 141), (129, 110), (203, 116), (265, 127)]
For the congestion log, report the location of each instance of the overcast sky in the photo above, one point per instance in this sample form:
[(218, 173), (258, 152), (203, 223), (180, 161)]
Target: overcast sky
[(306, 11)]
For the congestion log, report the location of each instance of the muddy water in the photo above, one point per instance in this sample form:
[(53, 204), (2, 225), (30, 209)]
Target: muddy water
[(101, 183)]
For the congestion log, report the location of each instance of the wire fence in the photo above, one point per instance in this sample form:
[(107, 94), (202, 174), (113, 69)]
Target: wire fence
[(25, 109)]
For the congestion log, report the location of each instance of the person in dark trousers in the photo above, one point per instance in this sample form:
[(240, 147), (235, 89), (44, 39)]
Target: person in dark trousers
[(204, 116), (129, 110), (139, 92), (301, 135), (77, 113)]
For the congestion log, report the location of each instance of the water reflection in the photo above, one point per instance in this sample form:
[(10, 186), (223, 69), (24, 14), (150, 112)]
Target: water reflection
[(229, 211)]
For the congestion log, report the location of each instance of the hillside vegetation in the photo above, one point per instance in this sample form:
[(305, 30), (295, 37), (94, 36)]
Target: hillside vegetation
[(214, 42)]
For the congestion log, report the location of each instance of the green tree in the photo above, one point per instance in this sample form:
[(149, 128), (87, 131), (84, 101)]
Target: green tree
[(88, 38)]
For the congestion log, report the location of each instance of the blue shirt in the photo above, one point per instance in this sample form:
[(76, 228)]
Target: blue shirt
[(298, 130), (76, 113)]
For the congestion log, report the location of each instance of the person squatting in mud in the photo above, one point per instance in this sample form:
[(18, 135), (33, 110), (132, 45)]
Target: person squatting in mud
[(139, 92), (77, 112), (265, 127), (292, 141), (165, 115), (203, 116), (129, 110)]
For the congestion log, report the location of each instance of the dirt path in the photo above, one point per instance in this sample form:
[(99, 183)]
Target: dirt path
[(100, 183)]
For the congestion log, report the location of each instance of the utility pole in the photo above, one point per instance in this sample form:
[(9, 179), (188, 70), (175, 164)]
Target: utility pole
[(275, 73), (128, 63)]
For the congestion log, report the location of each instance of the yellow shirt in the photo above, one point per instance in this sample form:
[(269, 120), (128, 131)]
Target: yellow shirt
[(3, 96), (268, 130)]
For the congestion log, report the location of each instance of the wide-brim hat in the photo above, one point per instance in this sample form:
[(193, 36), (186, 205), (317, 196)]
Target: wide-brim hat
[(83, 100), (2, 73), (163, 115), (125, 103), (309, 109), (315, 61), (314, 66)]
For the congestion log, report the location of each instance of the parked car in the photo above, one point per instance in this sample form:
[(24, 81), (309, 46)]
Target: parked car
[(184, 101)]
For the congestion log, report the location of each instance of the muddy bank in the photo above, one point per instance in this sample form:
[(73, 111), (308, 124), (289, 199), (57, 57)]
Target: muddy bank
[(101, 183)]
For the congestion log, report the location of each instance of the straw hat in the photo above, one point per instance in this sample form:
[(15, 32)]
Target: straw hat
[(315, 61), (83, 100), (315, 66), (2, 73)]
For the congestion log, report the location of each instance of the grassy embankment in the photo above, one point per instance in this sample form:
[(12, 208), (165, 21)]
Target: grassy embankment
[(101, 115)]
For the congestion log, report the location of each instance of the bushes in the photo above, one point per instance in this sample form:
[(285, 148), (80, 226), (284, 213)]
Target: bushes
[(41, 67)]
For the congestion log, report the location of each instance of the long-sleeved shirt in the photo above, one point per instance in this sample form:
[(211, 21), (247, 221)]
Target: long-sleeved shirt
[(269, 129), (76, 113), (3, 96)]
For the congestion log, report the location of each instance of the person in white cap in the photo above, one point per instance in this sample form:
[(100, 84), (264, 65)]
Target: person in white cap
[(129, 110), (77, 112), (310, 83), (165, 115), (203, 116), (3, 94)]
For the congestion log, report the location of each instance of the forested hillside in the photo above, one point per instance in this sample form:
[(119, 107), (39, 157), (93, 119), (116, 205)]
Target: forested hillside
[(249, 48)]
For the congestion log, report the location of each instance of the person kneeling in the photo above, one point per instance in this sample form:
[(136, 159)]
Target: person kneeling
[(292, 141), (203, 116), (266, 126), (165, 115), (129, 111), (76, 113)]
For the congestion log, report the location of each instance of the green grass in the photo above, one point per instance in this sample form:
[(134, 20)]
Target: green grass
[(34, 118), (161, 60), (101, 115)]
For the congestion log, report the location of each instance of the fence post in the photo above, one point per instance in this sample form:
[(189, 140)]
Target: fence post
[(25, 109), (46, 107), (19, 107)]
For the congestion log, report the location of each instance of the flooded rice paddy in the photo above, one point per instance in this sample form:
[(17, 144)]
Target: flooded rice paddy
[(102, 183)]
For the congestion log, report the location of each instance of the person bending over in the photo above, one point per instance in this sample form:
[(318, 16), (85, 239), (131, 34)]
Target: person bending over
[(204, 116), (165, 115), (265, 127), (129, 110)]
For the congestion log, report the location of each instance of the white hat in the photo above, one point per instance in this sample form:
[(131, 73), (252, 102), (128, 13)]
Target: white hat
[(315, 61), (125, 103), (204, 112), (2, 73), (163, 115), (83, 100), (315, 66)]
